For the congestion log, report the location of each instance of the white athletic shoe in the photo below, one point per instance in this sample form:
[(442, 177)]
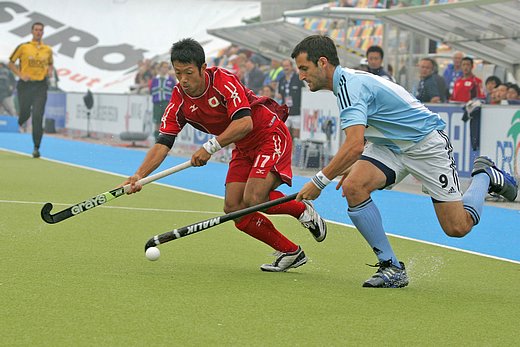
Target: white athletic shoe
[(286, 261), (311, 220)]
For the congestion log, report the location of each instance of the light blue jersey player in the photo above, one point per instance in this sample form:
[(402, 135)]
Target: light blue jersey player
[(389, 135), (392, 116)]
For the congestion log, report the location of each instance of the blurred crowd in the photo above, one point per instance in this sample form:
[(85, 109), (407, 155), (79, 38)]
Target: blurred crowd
[(278, 79)]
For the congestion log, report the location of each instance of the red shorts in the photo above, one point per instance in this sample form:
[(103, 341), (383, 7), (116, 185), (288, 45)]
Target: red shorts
[(273, 154)]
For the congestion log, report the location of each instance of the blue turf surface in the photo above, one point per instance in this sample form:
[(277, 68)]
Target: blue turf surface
[(409, 215)]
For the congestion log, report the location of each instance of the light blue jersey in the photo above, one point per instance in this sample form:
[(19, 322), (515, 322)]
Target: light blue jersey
[(394, 118)]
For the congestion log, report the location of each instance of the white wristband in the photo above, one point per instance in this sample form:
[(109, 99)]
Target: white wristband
[(320, 180), (212, 146)]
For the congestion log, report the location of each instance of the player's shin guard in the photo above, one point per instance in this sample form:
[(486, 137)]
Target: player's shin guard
[(261, 228), (293, 208)]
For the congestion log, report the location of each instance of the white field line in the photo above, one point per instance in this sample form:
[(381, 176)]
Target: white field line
[(219, 213), (434, 244), (220, 197)]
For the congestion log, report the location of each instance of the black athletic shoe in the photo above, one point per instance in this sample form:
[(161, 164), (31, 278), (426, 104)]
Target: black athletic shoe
[(36, 153), (388, 276), (500, 182)]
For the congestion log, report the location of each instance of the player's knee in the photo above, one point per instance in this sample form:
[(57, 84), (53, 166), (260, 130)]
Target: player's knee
[(353, 190), (254, 199), (456, 230), (230, 207)]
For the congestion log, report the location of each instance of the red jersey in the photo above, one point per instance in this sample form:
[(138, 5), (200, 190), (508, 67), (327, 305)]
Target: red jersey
[(466, 89), (212, 112)]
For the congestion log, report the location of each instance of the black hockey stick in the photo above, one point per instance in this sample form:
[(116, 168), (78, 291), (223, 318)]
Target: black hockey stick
[(103, 197), (209, 223)]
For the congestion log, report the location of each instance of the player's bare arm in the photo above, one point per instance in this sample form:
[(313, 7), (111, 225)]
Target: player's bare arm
[(347, 155), (236, 131), (153, 159)]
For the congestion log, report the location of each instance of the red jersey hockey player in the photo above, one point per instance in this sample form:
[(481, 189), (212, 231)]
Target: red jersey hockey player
[(214, 101)]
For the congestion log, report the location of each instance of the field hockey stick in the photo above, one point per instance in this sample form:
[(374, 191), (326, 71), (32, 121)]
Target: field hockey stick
[(103, 198), (210, 223)]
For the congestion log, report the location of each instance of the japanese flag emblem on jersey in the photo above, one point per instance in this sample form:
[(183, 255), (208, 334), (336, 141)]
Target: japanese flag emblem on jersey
[(213, 102)]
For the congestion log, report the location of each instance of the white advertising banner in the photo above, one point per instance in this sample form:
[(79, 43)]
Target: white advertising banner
[(320, 119), (97, 43), (111, 114), (500, 136)]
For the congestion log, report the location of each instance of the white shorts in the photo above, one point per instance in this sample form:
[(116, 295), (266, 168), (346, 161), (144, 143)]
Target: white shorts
[(430, 161)]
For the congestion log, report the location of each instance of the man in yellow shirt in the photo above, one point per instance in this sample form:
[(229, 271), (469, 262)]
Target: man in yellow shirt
[(34, 69)]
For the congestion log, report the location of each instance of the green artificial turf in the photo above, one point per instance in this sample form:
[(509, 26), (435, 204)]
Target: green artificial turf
[(85, 281)]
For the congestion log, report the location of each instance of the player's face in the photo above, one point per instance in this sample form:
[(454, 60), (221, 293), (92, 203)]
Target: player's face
[(374, 60), (313, 74), (191, 79), (37, 32)]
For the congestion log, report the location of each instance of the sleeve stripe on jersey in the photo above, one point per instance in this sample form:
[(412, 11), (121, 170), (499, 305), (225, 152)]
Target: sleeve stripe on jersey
[(343, 97), (168, 108), (15, 50)]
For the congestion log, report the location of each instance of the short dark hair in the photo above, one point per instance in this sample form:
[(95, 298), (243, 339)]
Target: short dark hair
[(37, 23), (430, 60), (435, 66), (317, 46), (188, 51), (268, 86), (515, 87), (495, 79), (377, 49), (468, 59)]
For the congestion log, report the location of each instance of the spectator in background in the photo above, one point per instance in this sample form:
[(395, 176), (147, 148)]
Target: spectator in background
[(290, 92), (513, 93), (161, 91), (267, 91), (427, 90), (242, 59), (441, 83), (468, 86), (232, 64), (453, 72), (253, 76), (375, 57), (363, 65), (273, 76), (143, 77), (491, 83), (34, 71), (7, 85), (501, 93), (495, 98), (270, 92)]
